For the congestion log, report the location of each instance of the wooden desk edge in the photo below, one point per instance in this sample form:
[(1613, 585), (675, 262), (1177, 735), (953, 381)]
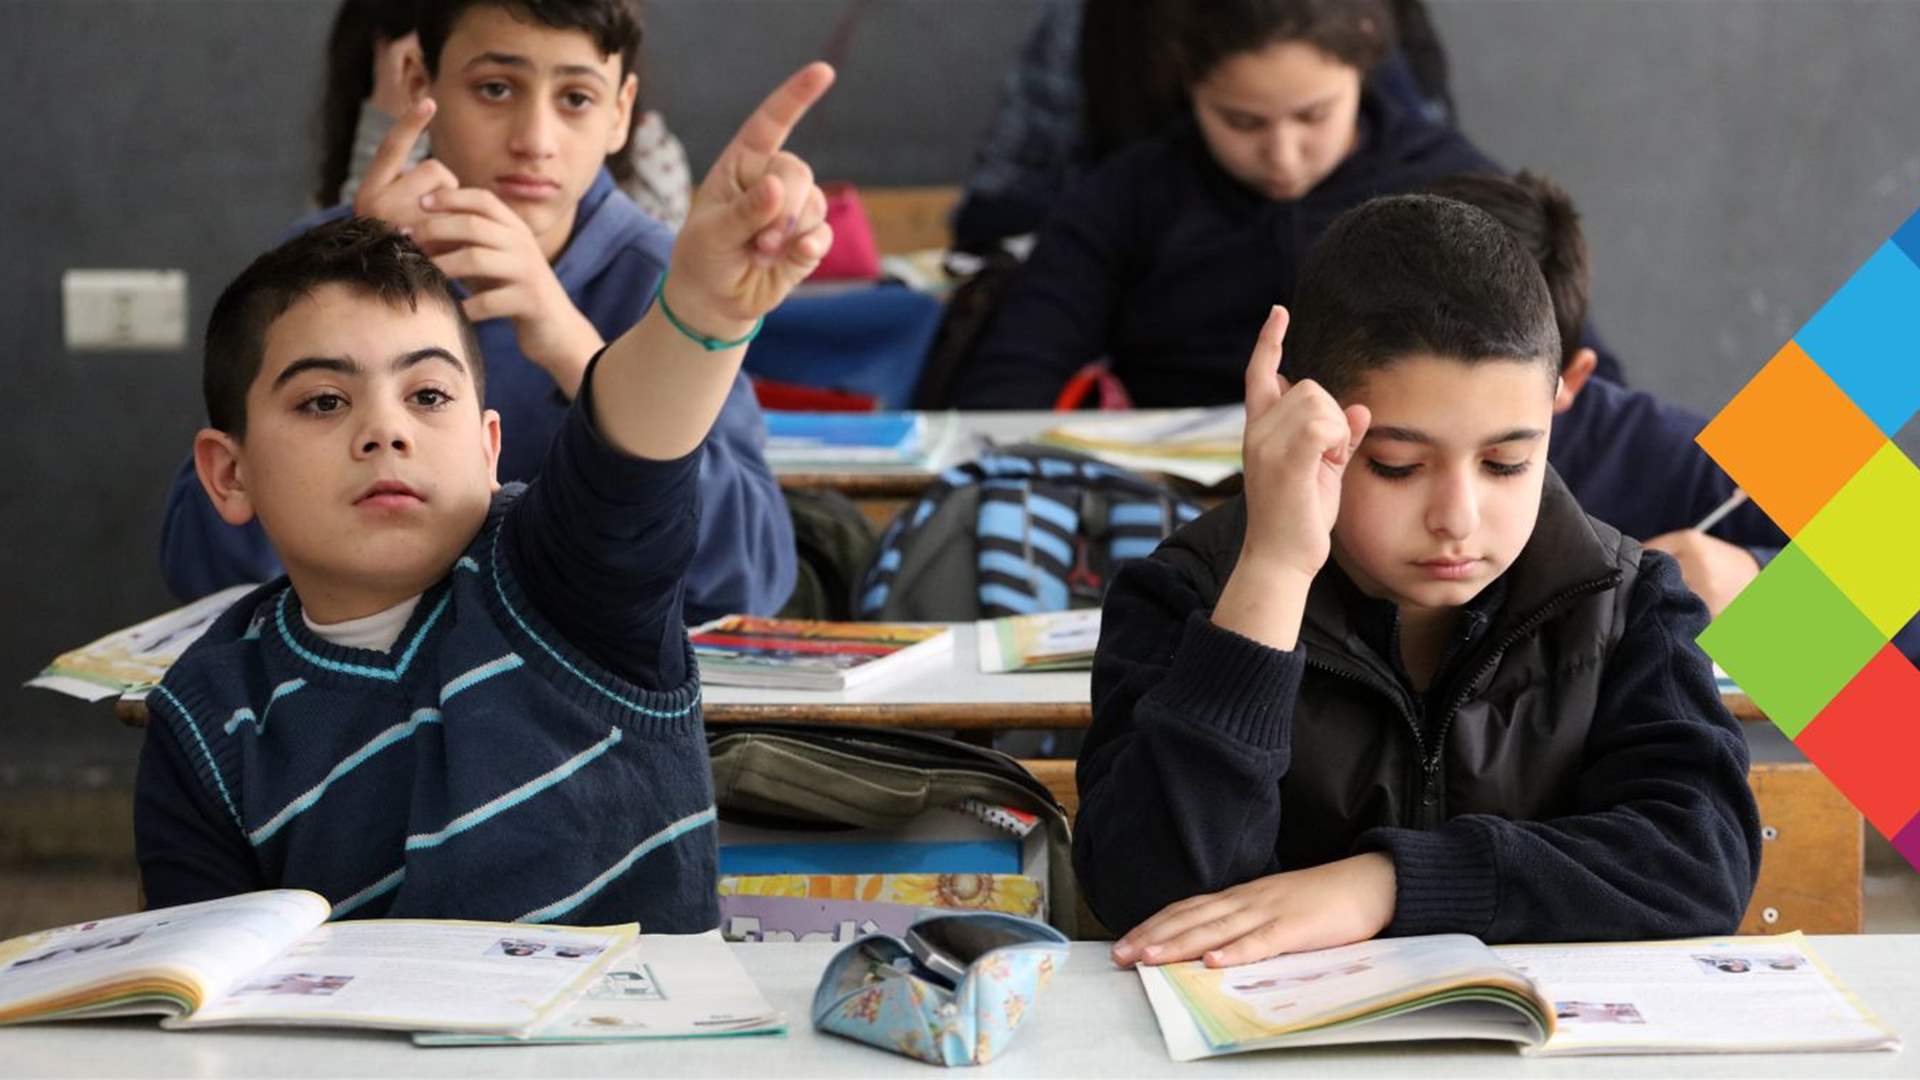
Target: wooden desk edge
[(975, 716)]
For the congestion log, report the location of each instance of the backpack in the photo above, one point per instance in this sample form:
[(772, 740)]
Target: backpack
[(809, 776), (969, 309), (833, 542), (1022, 529)]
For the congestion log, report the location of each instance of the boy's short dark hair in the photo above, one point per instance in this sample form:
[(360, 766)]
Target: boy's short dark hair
[(1359, 33), (1542, 215), (1411, 274), (362, 254), (614, 25)]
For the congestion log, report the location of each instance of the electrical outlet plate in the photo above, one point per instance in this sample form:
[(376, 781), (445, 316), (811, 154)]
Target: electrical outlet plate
[(122, 310)]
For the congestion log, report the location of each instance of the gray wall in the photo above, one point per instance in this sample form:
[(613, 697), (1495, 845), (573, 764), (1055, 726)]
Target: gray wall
[(1736, 159)]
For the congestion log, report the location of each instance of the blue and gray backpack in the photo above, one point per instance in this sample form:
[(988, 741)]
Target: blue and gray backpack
[(1022, 529)]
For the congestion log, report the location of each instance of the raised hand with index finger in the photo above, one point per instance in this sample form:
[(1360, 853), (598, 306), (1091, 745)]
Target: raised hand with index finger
[(1296, 449), (758, 224), (392, 190), (757, 229)]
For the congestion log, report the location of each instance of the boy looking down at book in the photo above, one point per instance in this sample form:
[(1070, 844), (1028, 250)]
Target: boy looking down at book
[(1404, 685), (463, 701), (1627, 456), (524, 103)]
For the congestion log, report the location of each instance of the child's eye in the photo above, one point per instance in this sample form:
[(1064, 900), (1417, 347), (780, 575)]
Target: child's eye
[(578, 101), (1314, 116), (429, 398), (1243, 122), (1501, 468), (1390, 472), (494, 90), (321, 404)]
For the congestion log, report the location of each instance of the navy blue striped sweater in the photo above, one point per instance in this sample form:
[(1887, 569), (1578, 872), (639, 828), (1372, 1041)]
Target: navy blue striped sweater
[(530, 749)]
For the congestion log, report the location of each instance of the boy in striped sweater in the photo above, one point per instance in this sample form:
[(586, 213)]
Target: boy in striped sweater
[(463, 701)]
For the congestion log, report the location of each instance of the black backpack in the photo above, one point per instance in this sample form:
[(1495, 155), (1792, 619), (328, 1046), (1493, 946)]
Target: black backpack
[(834, 542)]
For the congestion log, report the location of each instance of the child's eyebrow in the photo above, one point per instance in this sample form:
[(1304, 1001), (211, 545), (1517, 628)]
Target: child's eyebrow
[(315, 363), (1392, 433), (347, 366), (419, 356), (515, 60)]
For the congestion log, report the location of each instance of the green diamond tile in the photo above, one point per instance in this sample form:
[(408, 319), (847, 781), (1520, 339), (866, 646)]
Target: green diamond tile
[(1792, 640), (1863, 539)]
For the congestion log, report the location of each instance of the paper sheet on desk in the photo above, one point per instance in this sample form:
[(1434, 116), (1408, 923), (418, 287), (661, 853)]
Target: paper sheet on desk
[(1201, 445)]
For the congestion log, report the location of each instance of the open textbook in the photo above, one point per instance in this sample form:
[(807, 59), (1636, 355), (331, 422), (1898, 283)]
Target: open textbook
[(1705, 995), (663, 986), (1201, 445), (131, 662), (272, 958)]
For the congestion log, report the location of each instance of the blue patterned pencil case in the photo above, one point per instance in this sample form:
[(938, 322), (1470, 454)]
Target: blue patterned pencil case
[(951, 991)]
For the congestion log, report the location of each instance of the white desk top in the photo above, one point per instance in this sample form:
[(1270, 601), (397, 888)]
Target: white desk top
[(954, 680), (1094, 1021)]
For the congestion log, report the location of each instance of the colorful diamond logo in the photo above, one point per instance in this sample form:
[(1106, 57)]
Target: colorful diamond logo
[(1810, 439)]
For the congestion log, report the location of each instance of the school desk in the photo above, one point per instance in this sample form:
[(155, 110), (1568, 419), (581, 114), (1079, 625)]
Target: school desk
[(1811, 867), (1812, 854), (1093, 1021)]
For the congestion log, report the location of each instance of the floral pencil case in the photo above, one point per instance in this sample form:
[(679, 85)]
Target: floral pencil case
[(951, 991)]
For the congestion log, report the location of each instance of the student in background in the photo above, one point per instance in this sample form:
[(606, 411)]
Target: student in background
[(1163, 261), (518, 207), (1404, 685), (1096, 76), (464, 701), (368, 52), (1626, 455)]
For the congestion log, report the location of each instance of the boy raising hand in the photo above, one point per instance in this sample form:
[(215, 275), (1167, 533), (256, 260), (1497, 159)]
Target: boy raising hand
[(1405, 685), (463, 700), (523, 104)]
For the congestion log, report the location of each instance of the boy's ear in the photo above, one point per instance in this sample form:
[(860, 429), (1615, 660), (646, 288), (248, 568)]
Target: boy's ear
[(490, 432), (623, 119), (1574, 377), (216, 458)]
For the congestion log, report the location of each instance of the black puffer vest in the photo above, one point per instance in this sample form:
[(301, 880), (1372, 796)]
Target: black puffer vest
[(1519, 698)]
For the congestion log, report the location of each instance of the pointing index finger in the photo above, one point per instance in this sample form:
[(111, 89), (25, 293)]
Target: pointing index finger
[(766, 131), (391, 159)]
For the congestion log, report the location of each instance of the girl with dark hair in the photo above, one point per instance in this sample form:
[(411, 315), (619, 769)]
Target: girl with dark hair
[(1164, 261)]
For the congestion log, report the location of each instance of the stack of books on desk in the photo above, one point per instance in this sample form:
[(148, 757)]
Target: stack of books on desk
[(805, 654), (1050, 641), (861, 442)]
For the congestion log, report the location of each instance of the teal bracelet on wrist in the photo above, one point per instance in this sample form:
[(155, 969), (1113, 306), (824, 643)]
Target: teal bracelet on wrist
[(711, 344)]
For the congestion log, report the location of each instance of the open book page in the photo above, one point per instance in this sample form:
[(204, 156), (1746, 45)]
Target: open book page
[(166, 961), (664, 986), (1201, 445), (1205, 1011), (421, 975), (133, 660), (1753, 994)]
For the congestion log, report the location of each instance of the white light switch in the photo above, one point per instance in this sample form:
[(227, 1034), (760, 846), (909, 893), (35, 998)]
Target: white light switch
[(125, 309)]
